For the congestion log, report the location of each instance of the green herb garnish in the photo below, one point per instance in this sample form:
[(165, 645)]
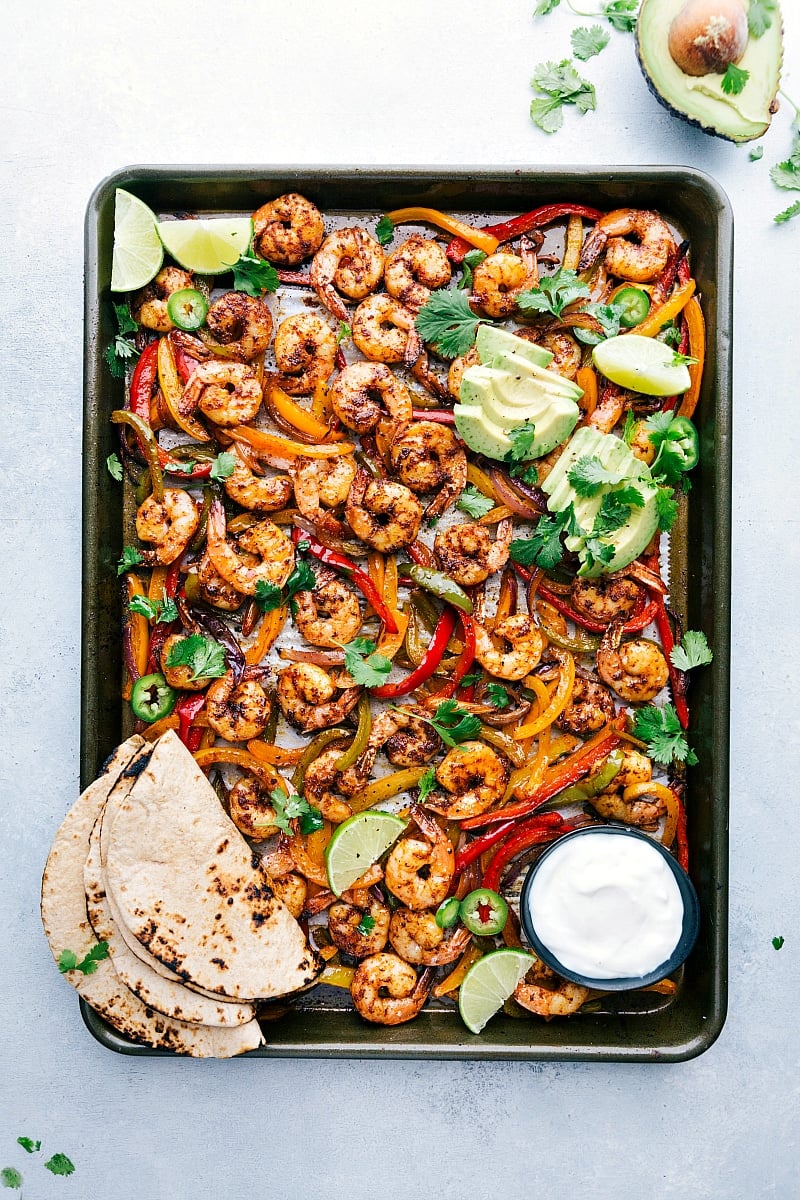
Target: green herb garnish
[(553, 293), (203, 655), (164, 610), (661, 729), (384, 230), (68, 959), (693, 651), (447, 323), (362, 662), (558, 84), (588, 41), (254, 276)]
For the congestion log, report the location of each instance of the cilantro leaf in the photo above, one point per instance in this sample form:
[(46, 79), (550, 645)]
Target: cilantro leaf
[(362, 661), (546, 112), (608, 316), (588, 41), (59, 1164), (667, 509), (365, 925), (662, 731), (756, 153), (164, 610), (670, 335), (223, 466), (254, 276), (777, 943), (344, 332), (474, 503), (559, 84), (543, 7), (787, 214), (630, 495), (693, 651), (522, 439), (734, 79), (384, 230), (543, 548), (612, 515), (427, 783), (204, 656), (289, 808), (472, 678), (497, 695), (453, 723), (588, 475), (269, 596), (68, 959), (595, 551), (29, 1144), (131, 557), (759, 16), (553, 293), (114, 467), (122, 349), (125, 321), (10, 1177), (447, 323), (470, 260), (621, 14)]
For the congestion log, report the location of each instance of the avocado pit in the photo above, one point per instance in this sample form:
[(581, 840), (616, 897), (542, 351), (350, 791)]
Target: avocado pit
[(708, 35)]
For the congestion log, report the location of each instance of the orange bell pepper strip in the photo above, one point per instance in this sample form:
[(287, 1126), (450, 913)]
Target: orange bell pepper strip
[(661, 314), (558, 701), (274, 756), (697, 349), (280, 447), (586, 378), (271, 625), (486, 242), (453, 981), (153, 732), (240, 758), (300, 418), (635, 791), (135, 636)]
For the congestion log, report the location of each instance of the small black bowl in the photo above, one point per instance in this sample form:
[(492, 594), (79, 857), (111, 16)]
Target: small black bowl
[(689, 930)]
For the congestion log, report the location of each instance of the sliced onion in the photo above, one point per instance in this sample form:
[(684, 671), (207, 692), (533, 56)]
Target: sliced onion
[(320, 658), (508, 495)]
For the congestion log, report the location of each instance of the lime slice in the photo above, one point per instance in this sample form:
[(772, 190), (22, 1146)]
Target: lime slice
[(488, 984), (642, 364), (138, 253), (210, 246), (357, 844)]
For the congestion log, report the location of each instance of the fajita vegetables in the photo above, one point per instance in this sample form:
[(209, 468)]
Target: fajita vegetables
[(393, 571)]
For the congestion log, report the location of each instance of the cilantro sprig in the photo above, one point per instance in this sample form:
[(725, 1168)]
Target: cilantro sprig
[(555, 85), (553, 293), (759, 16), (384, 230), (777, 943), (427, 784), (692, 651), (734, 79), (290, 808), (122, 350), (522, 438), (59, 1164), (453, 723), (587, 41), (164, 610), (544, 547), (269, 596), (203, 655), (10, 1177), (366, 925), (474, 503), (362, 661), (254, 276), (114, 467), (470, 260), (588, 475), (663, 733), (608, 318), (68, 961), (447, 323), (497, 695), (131, 557)]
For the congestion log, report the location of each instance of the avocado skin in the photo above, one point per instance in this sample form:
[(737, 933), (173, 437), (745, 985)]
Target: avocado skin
[(698, 122)]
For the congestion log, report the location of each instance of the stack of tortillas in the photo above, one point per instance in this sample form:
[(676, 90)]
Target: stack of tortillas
[(148, 861)]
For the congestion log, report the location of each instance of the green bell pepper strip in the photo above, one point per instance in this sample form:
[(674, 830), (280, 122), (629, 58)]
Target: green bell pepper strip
[(149, 445), (359, 742), (594, 785), (438, 584), (587, 644), (152, 698)]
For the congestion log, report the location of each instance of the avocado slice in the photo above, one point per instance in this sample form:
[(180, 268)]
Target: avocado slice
[(480, 432), (699, 99), (494, 344), (495, 401)]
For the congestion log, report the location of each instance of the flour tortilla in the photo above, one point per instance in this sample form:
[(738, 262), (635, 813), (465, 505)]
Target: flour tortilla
[(186, 884), (168, 997), (67, 927)]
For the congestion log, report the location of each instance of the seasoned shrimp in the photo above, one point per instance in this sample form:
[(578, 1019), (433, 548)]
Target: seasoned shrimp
[(498, 280), (457, 368), (415, 267), (238, 326), (525, 638), (591, 706), (214, 589), (237, 712), (417, 939), (645, 813), (406, 739), (428, 457), (292, 889), (547, 995), (609, 408), (250, 805), (348, 261), (288, 229), (181, 675), (268, 557), (308, 698), (636, 768), (639, 260), (322, 481), (305, 353), (169, 525), (419, 869), (636, 670), (149, 306), (351, 933), (329, 614), (386, 990), (228, 393), (324, 786), (258, 493), (384, 331), (640, 445), (562, 345), (365, 392), (473, 777), (468, 554), (609, 598), (384, 514)]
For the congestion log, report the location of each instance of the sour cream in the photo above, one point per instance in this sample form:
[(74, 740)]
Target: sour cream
[(607, 906)]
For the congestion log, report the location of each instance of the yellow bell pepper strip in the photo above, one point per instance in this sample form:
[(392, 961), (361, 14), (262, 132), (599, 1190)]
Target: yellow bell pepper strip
[(172, 391), (285, 448), (340, 977), (383, 789), (558, 701), (275, 756), (300, 418), (453, 981), (697, 350), (573, 243), (359, 742), (390, 643), (478, 238), (480, 480), (662, 314), (659, 791)]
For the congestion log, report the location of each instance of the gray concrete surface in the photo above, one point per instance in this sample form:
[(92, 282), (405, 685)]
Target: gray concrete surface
[(90, 87)]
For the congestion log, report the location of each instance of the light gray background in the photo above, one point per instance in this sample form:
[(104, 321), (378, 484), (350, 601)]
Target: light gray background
[(89, 87)]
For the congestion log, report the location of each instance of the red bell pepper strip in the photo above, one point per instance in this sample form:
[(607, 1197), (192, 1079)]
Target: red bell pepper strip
[(681, 836), (300, 278), (444, 416), (478, 847), (530, 833), (677, 679), (465, 659), (524, 223), (419, 553), (333, 558), (144, 379), (441, 636), (187, 709), (185, 365), (636, 624)]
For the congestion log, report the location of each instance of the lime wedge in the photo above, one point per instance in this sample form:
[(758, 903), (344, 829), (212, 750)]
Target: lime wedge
[(357, 844), (488, 984), (210, 246), (138, 253), (642, 364)]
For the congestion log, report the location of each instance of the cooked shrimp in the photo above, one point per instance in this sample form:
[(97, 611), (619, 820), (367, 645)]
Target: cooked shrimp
[(415, 267), (348, 261), (169, 525), (258, 493), (238, 326), (609, 598), (384, 514), (384, 331), (468, 554), (237, 712), (268, 557), (545, 464), (288, 229), (417, 938), (319, 481), (324, 786), (429, 457), (644, 813), (405, 739), (386, 990), (329, 614), (640, 444), (149, 306), (181, 675), (473, 776), (566, 353), (636, 768), (214, 589), (292, 889), (365, 392), (419, 869), (525, 638), (639, 260), (250, 805), (351, 933), (228, 393), (591, 706), (498, 280), (305, 353), (457, 368), (547, 995), (636, 670), (308, 698)]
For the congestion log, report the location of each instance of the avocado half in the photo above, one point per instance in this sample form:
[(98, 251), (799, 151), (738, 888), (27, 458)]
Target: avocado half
[(700, 100)]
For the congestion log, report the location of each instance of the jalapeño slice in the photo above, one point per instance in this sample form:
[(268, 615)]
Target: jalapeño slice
[(152, 698), (187, 309), (484, 912), (635, 305)]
